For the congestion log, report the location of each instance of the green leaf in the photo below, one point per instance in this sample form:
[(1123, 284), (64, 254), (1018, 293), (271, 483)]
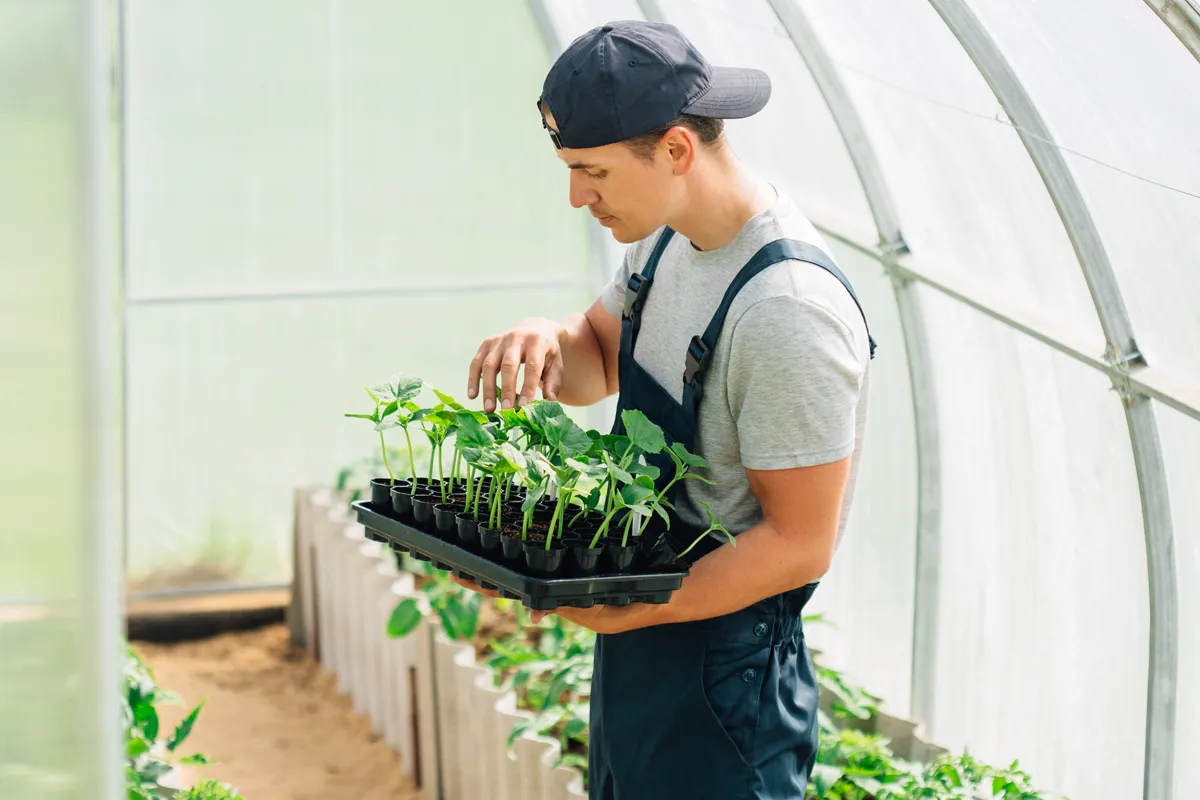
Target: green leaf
[(566, 437), (575, 727), (398, 388), (137, 793), (634, 493), (196, 760), (649, 470), (371, 417), (574, 760), (823, 777), (687, 458), (614, 470), (471, 433), (616, 444), (389, 423), (541, 412), (643, 433), (510, 457), (135, 747), (184, 729), (146, 717), (405, 618), (449, 401)]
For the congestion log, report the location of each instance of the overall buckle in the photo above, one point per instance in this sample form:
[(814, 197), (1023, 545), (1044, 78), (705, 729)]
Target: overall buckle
[(635, 294), (695, 364)]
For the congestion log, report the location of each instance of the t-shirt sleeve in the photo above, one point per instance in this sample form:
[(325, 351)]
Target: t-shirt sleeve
[(614, 294), (795, 371)]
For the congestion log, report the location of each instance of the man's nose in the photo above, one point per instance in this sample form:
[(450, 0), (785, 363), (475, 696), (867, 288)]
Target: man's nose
[(580, 194)]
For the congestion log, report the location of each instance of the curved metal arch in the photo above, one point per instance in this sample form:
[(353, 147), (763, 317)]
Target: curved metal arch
[(1183, 18), (1121, 352)]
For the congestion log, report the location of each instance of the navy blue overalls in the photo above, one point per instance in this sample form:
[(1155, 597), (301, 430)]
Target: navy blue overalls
[(719, 709)]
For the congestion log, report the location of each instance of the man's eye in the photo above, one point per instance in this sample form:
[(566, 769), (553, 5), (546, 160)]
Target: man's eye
[(599, 174)]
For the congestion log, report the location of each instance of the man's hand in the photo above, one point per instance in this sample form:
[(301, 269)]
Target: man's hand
[(574, 360), (534, 343)]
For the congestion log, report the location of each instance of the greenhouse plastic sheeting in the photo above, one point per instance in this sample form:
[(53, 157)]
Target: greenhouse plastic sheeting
[(1042, 598), (316, 153)]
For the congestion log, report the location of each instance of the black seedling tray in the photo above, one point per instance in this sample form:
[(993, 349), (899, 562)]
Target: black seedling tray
[(539, 594)]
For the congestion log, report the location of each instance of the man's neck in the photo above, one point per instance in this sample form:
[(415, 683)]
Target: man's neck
[(722, 197)]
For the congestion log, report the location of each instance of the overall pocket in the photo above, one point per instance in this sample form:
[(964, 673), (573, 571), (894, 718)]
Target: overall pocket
[(733, 678)]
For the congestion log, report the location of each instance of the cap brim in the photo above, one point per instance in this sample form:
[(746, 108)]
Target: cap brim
[(733, 93)]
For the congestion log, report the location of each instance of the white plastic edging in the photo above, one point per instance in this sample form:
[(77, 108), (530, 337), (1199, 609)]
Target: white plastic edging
[(426, 696)]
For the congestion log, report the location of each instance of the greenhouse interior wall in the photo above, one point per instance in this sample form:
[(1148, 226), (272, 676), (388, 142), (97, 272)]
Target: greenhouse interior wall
[(314, 195)]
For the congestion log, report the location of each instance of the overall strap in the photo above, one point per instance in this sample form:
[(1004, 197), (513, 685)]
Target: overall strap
[(636, 290), (701, 347)]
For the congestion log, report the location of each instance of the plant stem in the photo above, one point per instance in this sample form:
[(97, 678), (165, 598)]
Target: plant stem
[(478, 494), (412, 467), (441, 472), (525, 524), (383, 447), (556, 519), (470, 486)]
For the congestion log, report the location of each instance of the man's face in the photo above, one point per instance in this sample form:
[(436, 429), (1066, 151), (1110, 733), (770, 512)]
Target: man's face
[(628, 195)]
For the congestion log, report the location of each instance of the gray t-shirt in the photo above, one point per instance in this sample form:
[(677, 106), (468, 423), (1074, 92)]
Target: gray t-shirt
[(787, 382)]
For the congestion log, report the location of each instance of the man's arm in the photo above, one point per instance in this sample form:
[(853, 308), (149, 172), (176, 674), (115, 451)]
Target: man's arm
[(575, 360), (791, 547), (793, 384)]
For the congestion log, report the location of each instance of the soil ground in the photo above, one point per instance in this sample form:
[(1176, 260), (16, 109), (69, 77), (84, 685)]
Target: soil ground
[(274, 720)]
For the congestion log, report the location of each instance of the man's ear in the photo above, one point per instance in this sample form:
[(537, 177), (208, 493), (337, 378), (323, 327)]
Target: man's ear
[(681, 146)]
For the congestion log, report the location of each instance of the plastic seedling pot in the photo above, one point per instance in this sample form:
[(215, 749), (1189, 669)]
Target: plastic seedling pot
[(619, 559), (510, 548), (584, 560), (543, 562), (402, 500), (381, 492), (443, 519), (422, 506), (489, 542)]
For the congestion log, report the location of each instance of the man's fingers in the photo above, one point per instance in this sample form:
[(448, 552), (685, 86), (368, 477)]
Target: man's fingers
[(491, 365), (476, 365), (510, 363), (538, 616), (534, 360), (552, 376)]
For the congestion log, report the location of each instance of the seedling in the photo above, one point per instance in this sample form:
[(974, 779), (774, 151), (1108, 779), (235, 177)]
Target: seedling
[(714, 524), (393, 408)]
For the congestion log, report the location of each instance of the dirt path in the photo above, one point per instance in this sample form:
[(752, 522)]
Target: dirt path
[(275, 721)]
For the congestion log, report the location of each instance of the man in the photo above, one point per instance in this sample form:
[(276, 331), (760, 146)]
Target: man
[(713, 694)]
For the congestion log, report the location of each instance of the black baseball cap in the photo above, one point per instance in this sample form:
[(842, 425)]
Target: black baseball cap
[(629, 77)]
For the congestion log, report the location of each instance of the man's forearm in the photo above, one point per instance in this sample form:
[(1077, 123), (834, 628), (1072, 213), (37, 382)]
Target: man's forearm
[(764, 563), (585, 373)]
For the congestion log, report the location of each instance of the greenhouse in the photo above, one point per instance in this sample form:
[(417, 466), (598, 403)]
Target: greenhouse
[(220, 221)]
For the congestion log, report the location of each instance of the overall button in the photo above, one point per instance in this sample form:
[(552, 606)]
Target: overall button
[(760, 629), (748, 675)]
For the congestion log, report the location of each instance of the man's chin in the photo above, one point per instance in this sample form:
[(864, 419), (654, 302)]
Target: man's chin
[(626, 236)]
